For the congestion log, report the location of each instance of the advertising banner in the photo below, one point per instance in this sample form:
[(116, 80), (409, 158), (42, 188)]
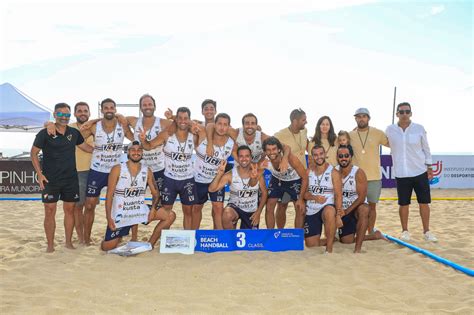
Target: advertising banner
[(18, 177), (449, 171)]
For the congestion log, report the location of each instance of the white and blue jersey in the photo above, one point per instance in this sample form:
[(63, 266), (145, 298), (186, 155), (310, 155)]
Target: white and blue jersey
[(178, 157), (349, 188), (205, 166), (320, 186), (108, 148), (153, 158), (255, 147)]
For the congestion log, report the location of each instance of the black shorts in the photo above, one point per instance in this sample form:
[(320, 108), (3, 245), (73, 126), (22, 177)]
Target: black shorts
[(245, 220), (420, 184), (66, 190), (350, 224), (313, 224), (119, 232), (159, 177)]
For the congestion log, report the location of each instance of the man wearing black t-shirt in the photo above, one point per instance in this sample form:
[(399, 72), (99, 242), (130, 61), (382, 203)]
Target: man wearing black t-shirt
[(57, 176)]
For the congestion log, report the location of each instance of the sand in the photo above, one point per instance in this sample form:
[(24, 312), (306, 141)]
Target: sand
[(385, 278)]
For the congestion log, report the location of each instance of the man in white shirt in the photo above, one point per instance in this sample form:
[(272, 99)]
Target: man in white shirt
[(412, 166)]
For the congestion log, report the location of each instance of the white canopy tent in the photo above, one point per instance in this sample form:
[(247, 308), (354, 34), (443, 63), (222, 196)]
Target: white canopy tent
[(19, 112)]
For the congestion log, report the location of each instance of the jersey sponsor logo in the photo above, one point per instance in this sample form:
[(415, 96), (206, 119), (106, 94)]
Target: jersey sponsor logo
[(316, 189), (69, 137), (180, 156), (111, 146), (247, 193), (133, 192), (348, 194), (212, 160)]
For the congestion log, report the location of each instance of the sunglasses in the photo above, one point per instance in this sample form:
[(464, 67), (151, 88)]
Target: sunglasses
[(59, 114), (404, 111), (345, 156)]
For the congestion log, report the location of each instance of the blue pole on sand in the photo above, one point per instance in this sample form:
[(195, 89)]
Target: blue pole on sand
[(469, 272)]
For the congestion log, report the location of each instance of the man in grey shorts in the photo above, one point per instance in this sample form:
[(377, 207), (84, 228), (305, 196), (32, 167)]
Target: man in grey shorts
[(83, 162), (366, 142)]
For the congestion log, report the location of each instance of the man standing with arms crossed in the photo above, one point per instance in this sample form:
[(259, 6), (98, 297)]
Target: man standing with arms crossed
[(411, 157), (57, 176), (366, 141)]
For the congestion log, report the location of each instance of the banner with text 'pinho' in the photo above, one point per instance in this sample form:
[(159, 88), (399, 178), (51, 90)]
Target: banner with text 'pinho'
[(275, 240)]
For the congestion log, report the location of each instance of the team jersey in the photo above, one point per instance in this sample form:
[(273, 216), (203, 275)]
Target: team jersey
[(108, 148), (205, 166), (320, 186), (178, 157), (242, 195), (153, 158), (349, 188), (129, 193), (255, 146), (287, 176)]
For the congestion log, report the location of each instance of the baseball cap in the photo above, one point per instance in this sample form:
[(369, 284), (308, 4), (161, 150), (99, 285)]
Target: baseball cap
[(363, 111), (135, 142)]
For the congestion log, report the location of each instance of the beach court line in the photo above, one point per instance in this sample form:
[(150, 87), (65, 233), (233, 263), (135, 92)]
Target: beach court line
[(469, 272)]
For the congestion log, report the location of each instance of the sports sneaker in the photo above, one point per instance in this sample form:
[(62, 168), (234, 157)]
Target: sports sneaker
[(405, 236), (429, 237)]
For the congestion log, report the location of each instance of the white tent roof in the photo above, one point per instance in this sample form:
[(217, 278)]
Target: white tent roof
[(19, 112)]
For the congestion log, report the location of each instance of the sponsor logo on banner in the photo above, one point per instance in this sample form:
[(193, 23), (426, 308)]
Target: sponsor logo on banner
[(437, 170), (449, 171)]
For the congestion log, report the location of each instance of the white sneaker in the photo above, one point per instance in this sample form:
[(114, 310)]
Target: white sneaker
[(429, 237), (405, 236)]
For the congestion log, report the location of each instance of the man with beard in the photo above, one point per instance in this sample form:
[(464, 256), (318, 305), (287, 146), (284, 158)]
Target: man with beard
[(245, 183), (294, 136), (208, 110), (57, 176), (178, 149), (205, 169), (127, 184), (83, 163), (152, 126), (108, 138), (251, 136), (323, 197), (354, 211), (366, 142), (293, 181)]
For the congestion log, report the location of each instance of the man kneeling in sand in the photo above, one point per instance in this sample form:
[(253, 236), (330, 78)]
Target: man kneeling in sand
[(245, 183), (355, 212), (323, 197), (127, 185)]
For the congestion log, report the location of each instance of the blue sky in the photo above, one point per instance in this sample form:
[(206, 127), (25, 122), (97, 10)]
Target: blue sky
[(251, 56)]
